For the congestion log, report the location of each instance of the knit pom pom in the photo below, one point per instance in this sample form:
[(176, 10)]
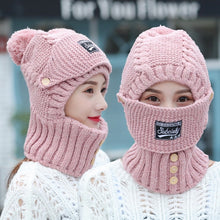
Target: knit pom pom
[(18, 42)]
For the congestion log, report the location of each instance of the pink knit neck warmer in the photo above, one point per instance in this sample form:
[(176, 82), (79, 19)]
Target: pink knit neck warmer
[(164, 157), (65, 144)]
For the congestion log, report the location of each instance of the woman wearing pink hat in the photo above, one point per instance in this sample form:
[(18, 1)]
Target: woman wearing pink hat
[(67, 77), (166, 93)]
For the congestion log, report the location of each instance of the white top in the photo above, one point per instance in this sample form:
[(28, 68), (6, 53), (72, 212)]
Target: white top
[(109, 192), (39, 192)]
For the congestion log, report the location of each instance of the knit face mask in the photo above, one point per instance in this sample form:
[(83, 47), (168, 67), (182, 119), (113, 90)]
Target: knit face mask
[(164, 157), (54, 64)]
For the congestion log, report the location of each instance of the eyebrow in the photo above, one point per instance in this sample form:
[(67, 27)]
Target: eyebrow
[(153, 90), (92, 83), (158, 91), (184, 91)]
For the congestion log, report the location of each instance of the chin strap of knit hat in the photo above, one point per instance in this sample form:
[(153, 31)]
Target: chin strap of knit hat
[(164, 157), (54, 64)]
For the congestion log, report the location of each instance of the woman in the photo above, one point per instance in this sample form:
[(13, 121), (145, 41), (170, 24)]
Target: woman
[(67, 77), (166, 93)]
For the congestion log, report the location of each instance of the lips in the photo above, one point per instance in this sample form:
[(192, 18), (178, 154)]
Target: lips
[(95, 119)]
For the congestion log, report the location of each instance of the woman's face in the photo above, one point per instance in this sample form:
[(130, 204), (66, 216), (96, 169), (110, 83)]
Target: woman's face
[(88, 101), (168, 94)]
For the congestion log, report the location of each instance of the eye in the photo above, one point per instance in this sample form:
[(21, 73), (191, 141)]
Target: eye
[(90, 90), (183, 99), (152, 99), (103, 90)]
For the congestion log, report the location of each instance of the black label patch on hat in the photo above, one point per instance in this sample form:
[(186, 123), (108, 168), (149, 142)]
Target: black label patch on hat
[(88, 45), (167, 130)]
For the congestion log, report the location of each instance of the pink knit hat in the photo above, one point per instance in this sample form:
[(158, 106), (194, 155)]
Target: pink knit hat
[(161, 54), (54, 64), (164, 157)]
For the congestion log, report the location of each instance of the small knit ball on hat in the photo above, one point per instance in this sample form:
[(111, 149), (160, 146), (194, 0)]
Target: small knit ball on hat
[(54, 64), (162, 54)]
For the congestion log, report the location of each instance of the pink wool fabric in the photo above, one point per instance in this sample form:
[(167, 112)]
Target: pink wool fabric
[(54, 64), (162, 54)]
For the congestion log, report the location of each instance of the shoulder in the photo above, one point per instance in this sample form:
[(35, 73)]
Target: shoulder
[(34, 171), (211, 180), (101, 190), (101, 158), (25, 194), (213, 172), (26, 173), (104, 168), (43, 190), (96, 191), (30, 178), (105, 175), (34, 179)]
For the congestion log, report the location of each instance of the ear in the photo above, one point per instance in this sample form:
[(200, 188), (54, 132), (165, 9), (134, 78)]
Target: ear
[(18, 42), (120, 99), (211, 96)]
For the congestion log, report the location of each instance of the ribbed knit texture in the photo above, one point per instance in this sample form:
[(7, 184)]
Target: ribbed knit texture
[(154, 170), (148, 160), (54, 64), (141, 119), (162, 54), (65, 145)]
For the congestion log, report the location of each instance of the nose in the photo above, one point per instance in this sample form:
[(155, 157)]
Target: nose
[(101, 104), (168, 104)]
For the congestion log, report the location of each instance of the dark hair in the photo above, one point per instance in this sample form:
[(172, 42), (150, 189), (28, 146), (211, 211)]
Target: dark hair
[(15, 170)]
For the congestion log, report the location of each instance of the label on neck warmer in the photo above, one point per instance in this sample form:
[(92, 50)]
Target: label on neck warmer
[(167, 130)]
